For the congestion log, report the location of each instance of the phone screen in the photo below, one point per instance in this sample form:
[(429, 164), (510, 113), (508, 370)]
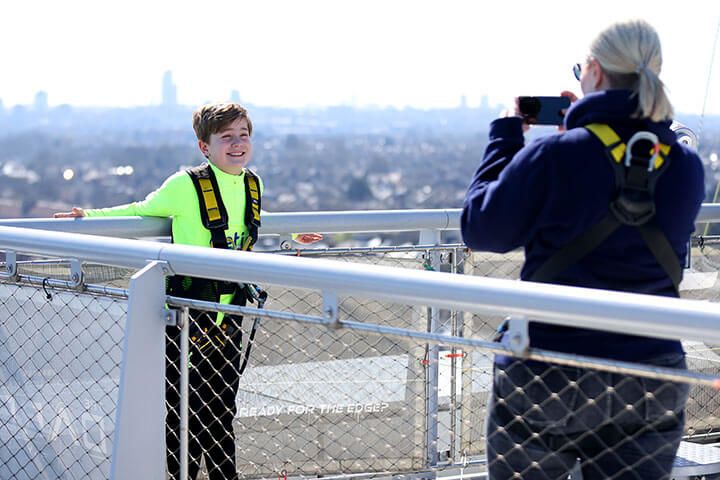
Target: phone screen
[(543, 110)]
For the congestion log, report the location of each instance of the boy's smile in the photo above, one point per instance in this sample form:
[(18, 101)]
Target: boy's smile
[(230, 149)]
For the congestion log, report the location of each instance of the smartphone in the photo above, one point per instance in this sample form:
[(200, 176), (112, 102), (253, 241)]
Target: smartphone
[(543, 110)]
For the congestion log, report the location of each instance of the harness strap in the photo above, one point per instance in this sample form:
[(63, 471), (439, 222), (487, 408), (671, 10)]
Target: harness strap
[(576, 249), (614, 145), (634, 205), (663, 251), (212, 209), (252, 209)]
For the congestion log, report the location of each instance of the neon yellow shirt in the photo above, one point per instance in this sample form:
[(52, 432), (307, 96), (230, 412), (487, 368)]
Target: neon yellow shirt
[(178, 199)]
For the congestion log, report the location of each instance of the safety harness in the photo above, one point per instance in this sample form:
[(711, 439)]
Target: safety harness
[(212, 209), (217, 329), (637, 166)]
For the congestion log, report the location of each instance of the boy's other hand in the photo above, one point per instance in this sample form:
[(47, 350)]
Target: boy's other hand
[(76, 212), (308, 238)]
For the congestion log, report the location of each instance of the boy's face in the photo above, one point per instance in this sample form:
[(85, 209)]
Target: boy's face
[(230, 149)]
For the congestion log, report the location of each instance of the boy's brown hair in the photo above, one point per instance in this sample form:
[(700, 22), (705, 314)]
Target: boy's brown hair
[(213, 117)]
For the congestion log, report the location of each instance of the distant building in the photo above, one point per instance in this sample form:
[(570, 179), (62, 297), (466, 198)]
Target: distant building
[(485, 103), (235, 96), (41, 101), (169, 90), (2, 107), (463, 102)]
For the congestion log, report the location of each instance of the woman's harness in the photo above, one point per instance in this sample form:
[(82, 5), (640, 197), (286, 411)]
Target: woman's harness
[(637, 166)]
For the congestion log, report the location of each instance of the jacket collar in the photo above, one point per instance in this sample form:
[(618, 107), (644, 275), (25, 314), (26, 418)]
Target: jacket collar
[(615, 107)]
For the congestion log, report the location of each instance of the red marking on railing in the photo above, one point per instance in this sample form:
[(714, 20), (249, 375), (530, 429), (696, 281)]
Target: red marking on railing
[(455, 355)]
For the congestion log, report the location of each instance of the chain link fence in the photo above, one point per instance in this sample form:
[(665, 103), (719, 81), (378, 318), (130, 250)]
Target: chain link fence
[(59, 372), (312, 401)]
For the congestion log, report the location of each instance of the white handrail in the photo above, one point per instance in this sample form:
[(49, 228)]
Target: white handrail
[(287, 223), (579, 307)]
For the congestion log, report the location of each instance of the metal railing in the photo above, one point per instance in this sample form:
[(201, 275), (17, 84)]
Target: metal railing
[(287, 223), (331, 307)]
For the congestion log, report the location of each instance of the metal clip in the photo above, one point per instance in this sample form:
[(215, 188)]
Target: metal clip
[(654, 153), (171, 318), (330, 309), (518, 338), (10, 272), (76, 273)]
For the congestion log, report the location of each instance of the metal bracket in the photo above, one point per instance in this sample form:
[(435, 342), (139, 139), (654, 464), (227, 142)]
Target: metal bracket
[(171, 318), (286, 242), (11, 272), (76, 273), (330, 309), (164, 266), (518, 338)]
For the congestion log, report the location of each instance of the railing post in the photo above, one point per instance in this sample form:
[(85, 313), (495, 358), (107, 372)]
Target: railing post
[(432, 237), (139, 439), (184, 391)]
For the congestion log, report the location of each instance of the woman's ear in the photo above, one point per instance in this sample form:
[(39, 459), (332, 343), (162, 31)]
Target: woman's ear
[(598, 75)]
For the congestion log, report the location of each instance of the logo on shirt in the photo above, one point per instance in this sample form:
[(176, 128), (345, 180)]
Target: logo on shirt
[(236, 241)]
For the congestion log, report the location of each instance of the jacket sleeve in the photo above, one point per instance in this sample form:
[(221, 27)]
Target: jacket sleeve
[(166, 201), (507, 192)]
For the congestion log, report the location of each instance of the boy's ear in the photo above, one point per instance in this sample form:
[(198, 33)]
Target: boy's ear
[(204, 148)]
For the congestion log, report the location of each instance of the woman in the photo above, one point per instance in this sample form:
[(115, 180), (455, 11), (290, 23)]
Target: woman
[(544, 197)]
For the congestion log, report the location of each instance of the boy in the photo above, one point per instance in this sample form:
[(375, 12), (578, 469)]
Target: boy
[(224, 134)]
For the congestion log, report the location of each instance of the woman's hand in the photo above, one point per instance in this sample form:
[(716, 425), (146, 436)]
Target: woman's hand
[(76, 212), (573, 98), (515, 112)]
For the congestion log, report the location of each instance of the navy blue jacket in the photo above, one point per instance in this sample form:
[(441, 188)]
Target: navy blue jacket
[(543, 195)]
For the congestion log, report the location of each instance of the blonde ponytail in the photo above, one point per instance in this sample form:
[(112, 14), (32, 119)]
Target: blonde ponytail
[(631, 57)]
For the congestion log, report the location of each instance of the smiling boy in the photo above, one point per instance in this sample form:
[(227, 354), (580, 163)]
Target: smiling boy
[(223, 133)]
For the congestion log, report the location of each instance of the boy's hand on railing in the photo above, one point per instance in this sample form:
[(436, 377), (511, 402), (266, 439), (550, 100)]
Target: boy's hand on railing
[(307, 238), (76, 212)]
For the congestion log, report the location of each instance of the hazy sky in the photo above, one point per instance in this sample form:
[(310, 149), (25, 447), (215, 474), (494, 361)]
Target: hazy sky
[(305, 52)]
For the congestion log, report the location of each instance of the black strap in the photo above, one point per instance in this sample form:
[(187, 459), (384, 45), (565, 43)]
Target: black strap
[(574, 251), (663, 252), (219, 224), (253, 203)]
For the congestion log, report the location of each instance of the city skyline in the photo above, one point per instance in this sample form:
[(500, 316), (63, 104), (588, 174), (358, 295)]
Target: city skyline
[(323, 53)]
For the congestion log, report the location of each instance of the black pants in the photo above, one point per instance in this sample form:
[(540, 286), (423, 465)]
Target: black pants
[(542, 418), (213, 385)]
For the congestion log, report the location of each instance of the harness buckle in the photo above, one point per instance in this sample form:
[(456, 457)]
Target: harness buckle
[(654, 151)]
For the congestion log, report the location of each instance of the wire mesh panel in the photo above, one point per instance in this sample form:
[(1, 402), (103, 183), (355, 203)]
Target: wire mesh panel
[(466, 377), (59, 372), (545, 421), (312, 400)]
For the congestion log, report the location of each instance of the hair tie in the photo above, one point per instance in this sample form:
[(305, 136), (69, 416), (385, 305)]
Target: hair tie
[(640, 68)]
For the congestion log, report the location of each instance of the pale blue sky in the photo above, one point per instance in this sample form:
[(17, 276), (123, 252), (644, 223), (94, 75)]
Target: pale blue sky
[(328, 52)]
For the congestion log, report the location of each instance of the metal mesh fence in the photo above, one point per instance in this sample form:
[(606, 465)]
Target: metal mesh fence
[(467, 376), (546, 421), (313, 401), (59, 371)]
